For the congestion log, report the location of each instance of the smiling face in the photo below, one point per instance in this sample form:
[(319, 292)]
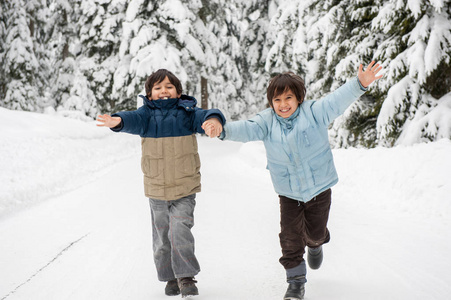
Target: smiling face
[(164, 90), (285, 92), (285, 104)]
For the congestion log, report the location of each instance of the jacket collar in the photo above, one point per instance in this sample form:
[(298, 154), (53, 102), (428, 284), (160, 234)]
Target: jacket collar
[(287, 122), (185, 101)]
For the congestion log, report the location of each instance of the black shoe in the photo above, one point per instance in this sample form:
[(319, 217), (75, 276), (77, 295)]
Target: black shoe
[(315, 257), (295, 291), (172, 288), (188, 286)]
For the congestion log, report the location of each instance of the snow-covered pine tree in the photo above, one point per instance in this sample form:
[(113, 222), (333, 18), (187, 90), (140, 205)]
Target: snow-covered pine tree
[(226, 83), (19, 65), (3, 9), (99, 29), (357, 126), (255, 46), (69, 87), (196, 44), (210, 42), (39, 13), (286, 36), (417, 51), (329, 33), (224, 78)]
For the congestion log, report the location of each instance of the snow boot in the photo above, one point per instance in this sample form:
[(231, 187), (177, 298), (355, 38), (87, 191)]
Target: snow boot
[(315, 257), (172, 288), (188, 286), (296, 288)]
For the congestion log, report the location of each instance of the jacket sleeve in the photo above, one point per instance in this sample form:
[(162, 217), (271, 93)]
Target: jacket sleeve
[(254, 129), (133, 122), (333, 105), (201, 115)]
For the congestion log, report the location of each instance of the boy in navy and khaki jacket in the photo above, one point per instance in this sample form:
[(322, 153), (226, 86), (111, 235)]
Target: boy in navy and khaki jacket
[(167, 124)]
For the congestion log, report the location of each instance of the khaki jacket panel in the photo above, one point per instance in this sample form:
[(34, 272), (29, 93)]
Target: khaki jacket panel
[(171, 167)]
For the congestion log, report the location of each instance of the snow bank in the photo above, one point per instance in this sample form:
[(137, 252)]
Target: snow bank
[(42, 156)]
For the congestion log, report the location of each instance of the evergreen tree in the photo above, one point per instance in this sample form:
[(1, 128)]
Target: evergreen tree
[(3, 83), (238, 75), (19, 63), (196, 43), (255, 46), (39, 13), (287, 37), (225, 77), (99, 29), (69, 89), (417, 51), (358, 125)]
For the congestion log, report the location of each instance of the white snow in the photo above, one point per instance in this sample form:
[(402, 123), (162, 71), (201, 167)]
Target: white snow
[(43, 156), (74, 223), (432, 120)]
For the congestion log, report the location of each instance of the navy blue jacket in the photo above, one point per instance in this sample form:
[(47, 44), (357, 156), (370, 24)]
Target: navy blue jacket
[(166, 118)]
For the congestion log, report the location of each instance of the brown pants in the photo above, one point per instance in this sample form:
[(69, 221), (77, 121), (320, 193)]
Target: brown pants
[(302, 224)]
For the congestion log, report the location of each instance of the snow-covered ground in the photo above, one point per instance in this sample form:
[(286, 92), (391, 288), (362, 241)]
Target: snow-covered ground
[(74, 223)]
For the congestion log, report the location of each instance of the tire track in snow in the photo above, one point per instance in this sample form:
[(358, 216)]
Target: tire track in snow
[(41, 269)]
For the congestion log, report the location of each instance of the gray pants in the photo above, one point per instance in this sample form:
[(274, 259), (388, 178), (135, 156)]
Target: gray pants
[(173, 242)]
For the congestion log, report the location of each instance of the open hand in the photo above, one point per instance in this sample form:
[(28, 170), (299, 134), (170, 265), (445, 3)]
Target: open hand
[(108, 121), (212, 127), (369, 75)]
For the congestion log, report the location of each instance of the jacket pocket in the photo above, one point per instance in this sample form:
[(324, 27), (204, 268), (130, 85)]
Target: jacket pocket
[(185, 166), (152, 163), (187, 163), (280, 177), (152, 167), (322, 167)]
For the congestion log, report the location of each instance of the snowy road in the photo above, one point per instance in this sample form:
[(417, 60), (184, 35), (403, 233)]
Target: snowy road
[(389, 224), (91, 243)]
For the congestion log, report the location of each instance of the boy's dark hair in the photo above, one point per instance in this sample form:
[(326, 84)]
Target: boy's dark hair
[(158, 76), (284, 82)]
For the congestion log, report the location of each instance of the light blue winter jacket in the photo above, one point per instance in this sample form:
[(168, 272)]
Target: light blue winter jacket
[(297, 148)]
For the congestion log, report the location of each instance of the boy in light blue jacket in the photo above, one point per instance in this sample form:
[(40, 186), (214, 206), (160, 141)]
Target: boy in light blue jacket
[(294, 133)]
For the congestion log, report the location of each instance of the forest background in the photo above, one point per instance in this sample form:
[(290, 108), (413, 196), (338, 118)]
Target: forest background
[(79, 58)]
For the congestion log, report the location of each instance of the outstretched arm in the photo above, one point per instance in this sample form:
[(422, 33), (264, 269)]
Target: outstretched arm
[(369, 75), (108, 121), (254, 129), (334, 104)]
